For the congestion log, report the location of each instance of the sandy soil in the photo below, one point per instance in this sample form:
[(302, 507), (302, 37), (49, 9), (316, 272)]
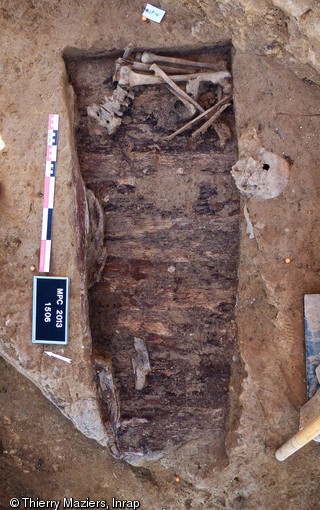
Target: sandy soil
[(42, 454)]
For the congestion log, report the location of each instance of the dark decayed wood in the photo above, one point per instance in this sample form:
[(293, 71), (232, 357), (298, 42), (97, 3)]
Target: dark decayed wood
[(171, 234)]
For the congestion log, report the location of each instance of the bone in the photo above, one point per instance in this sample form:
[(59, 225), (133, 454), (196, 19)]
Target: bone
[(121, 96), (189, 103), (107, 114), (126, 77), (141, 363), (210, 121), (221, 78), (223, 131), (104, 118), (151, 58), (219, 93), (139, 66), (249, 223), (213, 109), (128, 50)]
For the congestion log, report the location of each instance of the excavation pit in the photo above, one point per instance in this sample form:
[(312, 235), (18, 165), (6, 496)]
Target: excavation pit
[(169, 284)]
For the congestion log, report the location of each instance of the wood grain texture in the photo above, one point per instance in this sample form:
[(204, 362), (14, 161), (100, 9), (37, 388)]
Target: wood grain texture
[(172, 234)]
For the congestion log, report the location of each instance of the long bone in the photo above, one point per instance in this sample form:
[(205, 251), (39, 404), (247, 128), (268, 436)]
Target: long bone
[(210, 121), (188, 101), (126, 77), (139, 66), (211, 110), (151, 58)]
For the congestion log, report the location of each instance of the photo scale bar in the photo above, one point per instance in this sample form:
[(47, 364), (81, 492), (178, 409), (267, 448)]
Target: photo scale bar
[(48, 195)]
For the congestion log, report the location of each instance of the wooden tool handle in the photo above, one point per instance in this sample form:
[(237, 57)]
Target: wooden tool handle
[(304, 436)]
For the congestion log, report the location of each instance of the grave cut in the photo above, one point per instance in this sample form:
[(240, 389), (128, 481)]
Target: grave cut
[(171, 212)]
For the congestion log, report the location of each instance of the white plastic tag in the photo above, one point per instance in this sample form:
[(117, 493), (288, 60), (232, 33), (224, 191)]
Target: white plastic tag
[(153, 13)]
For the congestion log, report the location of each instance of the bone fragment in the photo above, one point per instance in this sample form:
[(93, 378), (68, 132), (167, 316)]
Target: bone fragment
[(118, 99), (108, 394), (221, 78), (219, 93), (189, 103), (119, 63), (121, 96), (249, 223), (223, 132), (150, 58), (197, 119), (141, 363), (128, 50), (104, 118), (210, 121)]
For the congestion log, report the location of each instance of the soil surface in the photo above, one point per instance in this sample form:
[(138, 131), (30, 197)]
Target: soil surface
[(42, 454)]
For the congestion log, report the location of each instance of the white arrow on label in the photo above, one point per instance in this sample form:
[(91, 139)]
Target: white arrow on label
[(53, 355)]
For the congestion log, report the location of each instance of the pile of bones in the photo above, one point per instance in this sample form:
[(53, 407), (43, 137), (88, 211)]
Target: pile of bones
[(188, 80)]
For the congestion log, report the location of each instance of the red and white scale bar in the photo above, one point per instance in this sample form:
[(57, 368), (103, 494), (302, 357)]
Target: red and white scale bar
[(48, 196)]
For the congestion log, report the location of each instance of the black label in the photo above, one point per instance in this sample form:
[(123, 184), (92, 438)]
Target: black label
[(50, 310)]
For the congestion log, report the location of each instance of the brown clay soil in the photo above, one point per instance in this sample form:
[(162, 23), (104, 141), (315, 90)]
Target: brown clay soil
[(42, 454)]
